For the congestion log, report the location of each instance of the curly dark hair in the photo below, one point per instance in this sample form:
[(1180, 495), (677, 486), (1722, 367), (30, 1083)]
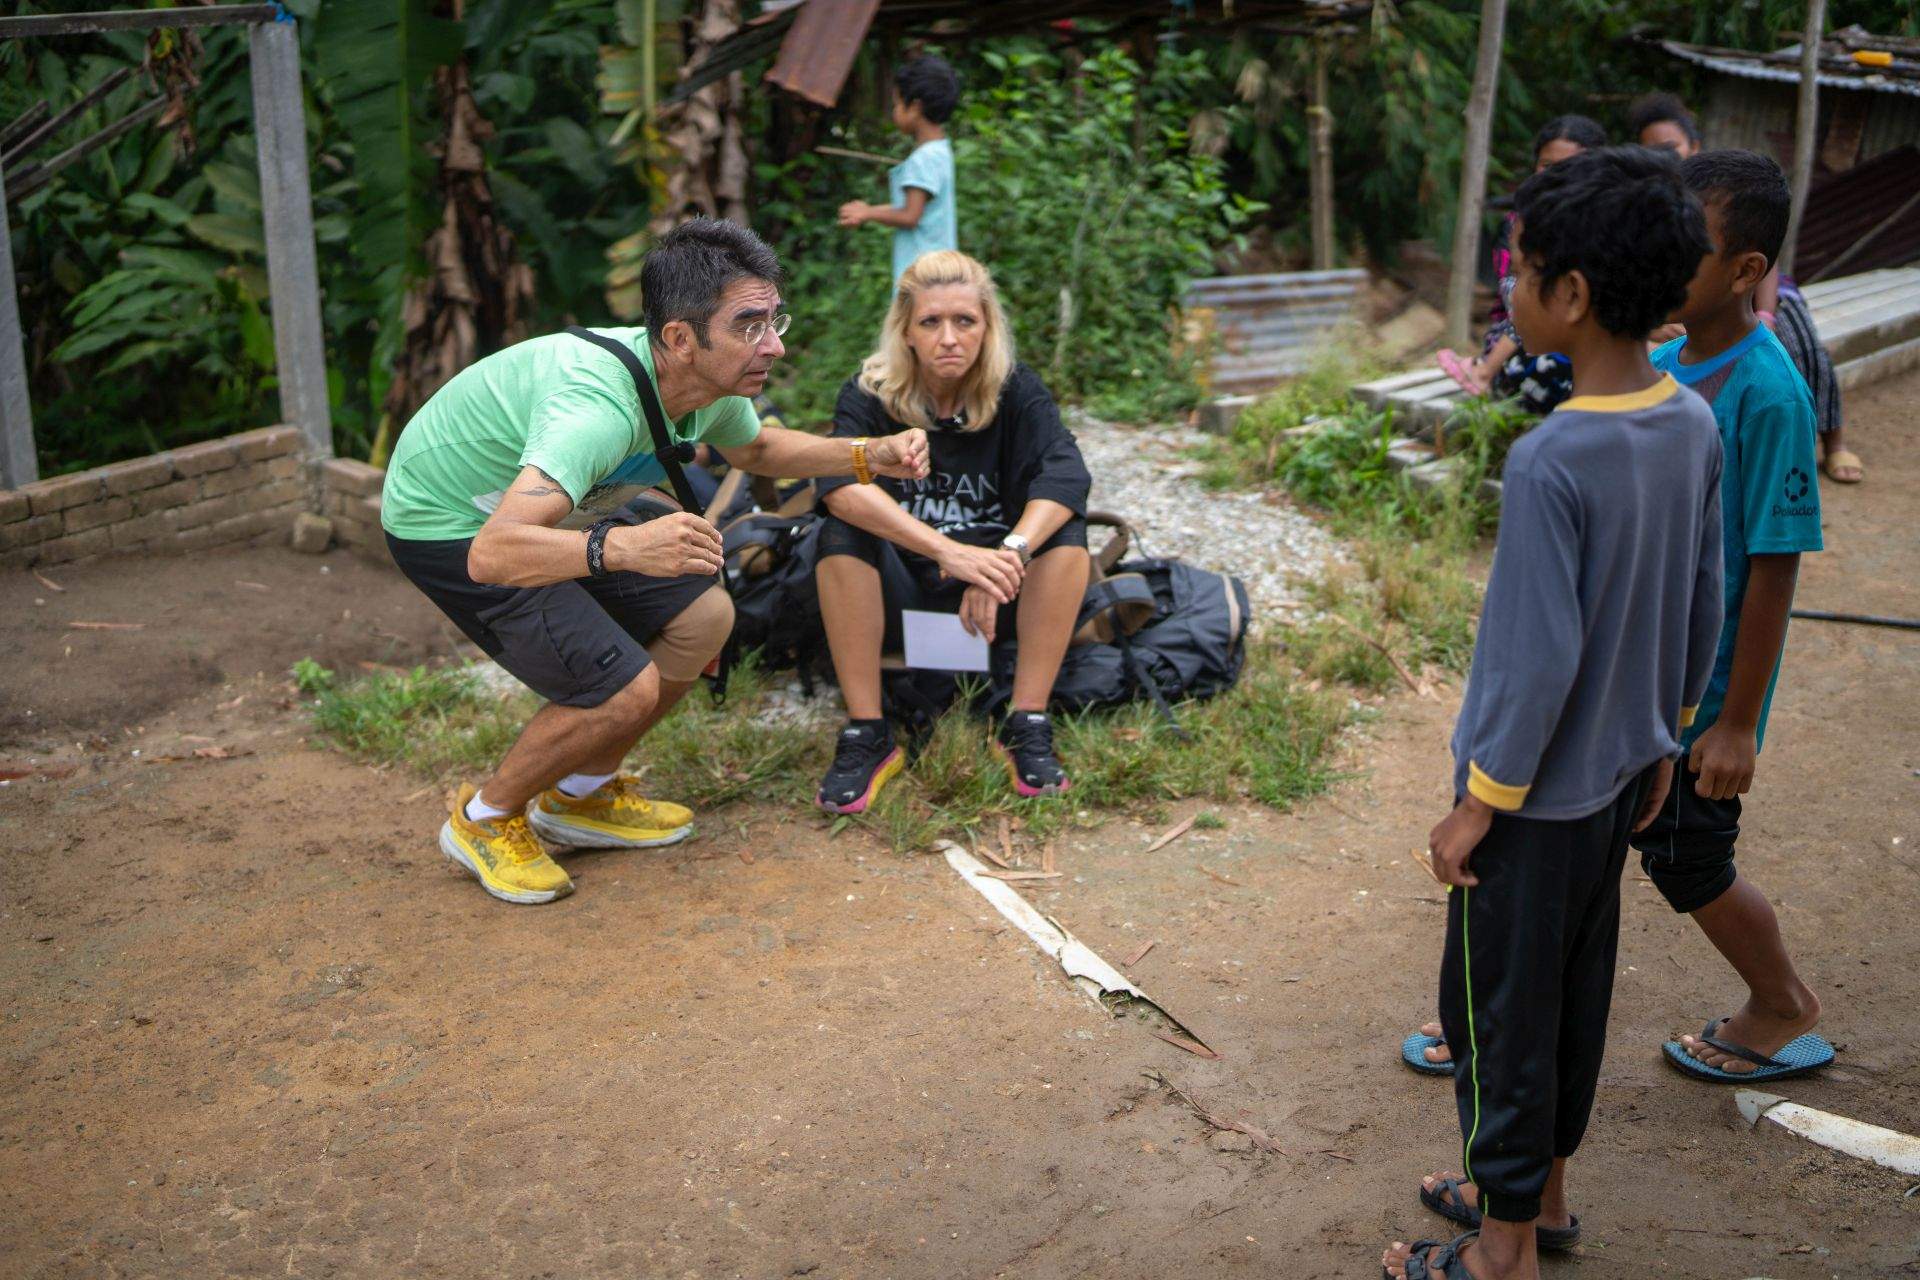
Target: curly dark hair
[(1751, 194), (1654, 108), (1580, 129), (931, 81), (1621, 217)]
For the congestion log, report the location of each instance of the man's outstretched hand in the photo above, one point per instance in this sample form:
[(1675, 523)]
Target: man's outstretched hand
[(902, 456)]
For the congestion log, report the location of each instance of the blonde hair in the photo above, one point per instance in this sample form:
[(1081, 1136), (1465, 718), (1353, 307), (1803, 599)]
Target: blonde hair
[(892, 373)]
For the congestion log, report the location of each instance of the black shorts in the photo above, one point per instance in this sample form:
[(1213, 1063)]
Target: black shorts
[(575, 643), (913, 582), (1688, 847)]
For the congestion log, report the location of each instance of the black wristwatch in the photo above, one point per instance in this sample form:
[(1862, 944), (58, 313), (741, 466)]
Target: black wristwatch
[(597, 549)]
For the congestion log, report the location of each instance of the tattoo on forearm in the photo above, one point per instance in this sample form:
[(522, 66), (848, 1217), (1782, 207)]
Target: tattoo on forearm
[(540, 491)]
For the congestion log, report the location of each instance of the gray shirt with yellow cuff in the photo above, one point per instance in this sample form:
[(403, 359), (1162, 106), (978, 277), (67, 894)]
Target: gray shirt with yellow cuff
[(1603, 609)]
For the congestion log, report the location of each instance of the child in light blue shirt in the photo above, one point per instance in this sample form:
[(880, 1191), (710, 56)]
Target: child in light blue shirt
[(919, 188)]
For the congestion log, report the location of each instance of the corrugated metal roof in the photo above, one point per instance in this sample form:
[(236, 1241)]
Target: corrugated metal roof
[(822, 37), (1836, 72), (1847, 205), (819, 51)]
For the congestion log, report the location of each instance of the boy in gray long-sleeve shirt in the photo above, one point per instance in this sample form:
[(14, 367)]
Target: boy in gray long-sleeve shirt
[(1596, 641)]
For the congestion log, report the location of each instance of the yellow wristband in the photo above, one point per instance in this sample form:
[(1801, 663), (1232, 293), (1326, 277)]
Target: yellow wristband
[(861, 472)]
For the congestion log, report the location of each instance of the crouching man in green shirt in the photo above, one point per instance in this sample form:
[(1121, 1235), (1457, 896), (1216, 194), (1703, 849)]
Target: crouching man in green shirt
[(514, 502)]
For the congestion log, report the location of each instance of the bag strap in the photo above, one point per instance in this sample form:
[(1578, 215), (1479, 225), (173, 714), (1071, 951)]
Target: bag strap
[(670, 453), (724, 496), (1116, 547), (1115, 606), (1139, 673)]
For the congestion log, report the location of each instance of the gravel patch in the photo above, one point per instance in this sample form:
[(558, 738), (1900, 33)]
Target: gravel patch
[(1143, 474)]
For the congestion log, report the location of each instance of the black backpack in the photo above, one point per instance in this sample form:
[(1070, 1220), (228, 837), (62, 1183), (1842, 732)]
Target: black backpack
[(1191, 646)]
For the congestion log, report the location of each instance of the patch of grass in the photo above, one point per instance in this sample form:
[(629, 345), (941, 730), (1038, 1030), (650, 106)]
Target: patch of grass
[(443, 723), (1412, 599), (440, 722), (1266, 740)]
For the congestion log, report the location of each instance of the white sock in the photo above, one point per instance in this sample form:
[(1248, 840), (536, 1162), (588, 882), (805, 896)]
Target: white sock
[(581, 784), (479, 810)]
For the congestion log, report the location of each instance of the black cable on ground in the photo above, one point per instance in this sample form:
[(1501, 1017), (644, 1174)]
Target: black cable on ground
[(1859, 619)]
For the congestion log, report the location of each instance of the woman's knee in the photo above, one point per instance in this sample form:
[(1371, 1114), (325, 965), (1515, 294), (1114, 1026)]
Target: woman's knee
[(693, 637)]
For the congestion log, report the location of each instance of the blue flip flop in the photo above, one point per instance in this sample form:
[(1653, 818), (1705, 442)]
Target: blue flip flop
[(1413, 1053), (1801, 1055)]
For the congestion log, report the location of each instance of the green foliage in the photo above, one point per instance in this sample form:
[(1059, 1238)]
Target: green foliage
[(376, 59), (310, 677), (1077, 187)]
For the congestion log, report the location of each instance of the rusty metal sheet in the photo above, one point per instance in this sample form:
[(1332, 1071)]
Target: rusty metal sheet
[(819, 51), (1845, 206)]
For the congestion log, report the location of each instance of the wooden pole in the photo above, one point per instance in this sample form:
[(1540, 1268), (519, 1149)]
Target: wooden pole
[(286, 205), (18, 463), (1320, 121), (1473, 172), (1806, 124)]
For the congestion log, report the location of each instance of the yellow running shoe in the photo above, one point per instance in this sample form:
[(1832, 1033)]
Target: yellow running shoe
[(614, 817), (502, 855)]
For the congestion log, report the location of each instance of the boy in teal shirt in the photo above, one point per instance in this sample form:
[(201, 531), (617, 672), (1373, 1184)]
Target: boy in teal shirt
[(1771, 514), (919, 188)]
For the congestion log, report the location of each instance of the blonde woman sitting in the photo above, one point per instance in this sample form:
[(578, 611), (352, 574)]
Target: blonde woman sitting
[(996, 532)]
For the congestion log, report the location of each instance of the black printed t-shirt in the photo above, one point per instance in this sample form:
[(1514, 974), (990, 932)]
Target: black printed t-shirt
[(980, 481)]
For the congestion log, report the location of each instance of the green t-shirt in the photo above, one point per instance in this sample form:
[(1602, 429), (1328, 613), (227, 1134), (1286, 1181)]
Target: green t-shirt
[(558, 403)]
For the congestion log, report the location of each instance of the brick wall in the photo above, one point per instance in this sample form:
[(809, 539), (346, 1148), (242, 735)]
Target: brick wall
[(244, 488), (350, 497)]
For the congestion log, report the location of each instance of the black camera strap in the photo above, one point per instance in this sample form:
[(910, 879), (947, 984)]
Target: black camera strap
[(673, 456)]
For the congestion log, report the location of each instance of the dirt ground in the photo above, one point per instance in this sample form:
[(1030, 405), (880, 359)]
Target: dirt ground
[(254, 1024)]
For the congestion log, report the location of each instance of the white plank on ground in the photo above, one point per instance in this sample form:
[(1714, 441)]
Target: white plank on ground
[(1898, 1151)]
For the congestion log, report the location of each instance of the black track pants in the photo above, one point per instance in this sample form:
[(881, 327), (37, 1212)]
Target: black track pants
[(1525, 986)]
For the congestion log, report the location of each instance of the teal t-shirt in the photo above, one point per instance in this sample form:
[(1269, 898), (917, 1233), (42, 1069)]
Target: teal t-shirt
[(930, 168), (558, 403), (1769, 503)]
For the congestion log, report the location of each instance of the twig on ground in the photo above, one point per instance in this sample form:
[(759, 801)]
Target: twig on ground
[(987, 853), (1261, 1138), (1400, 667), (1173, 833), (1137, 956), (1022, 875), (107, 626), (47, 582), (1006, 841), (1217, 876)]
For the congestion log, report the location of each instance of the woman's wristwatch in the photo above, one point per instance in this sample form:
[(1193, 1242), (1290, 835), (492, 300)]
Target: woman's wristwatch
[(1017, 543)]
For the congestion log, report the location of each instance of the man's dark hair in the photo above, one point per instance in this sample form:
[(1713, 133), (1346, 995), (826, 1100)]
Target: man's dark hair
[(1656, 108), (931, 81), (1752, 195), (1621, 217), (688, 268), (1578, 129)]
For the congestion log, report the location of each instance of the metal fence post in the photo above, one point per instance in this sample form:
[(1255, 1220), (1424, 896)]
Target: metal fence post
[(279, 116), (18, 464)]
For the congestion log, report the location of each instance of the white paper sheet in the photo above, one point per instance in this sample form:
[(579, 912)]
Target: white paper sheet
[(937, 642)]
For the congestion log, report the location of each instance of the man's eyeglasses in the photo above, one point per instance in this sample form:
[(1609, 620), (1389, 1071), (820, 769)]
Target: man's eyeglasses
[(755, 331)]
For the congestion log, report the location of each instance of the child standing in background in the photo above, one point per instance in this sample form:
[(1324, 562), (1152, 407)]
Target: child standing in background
[(920, 187), (1772, 513), (1503, 367), (1662, 120)]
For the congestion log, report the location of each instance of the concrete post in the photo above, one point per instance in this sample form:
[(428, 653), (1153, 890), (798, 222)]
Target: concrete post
[(299, 345), (18, 463)]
